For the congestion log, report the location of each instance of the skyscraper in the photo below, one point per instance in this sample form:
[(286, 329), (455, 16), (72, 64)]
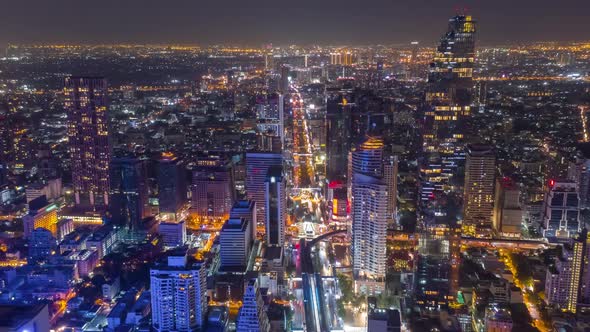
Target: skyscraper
[(179, 295), (212, 191), (171, 186), (561, 211), (450, 84), (252, 316), (369, 215), (235, 240), (338, 136), (448, 103), (129, 192), (275, 198), (257, 165), (88, 137), (579, 172), (480, 172), (390, 170), (247, 211), (564, 278)]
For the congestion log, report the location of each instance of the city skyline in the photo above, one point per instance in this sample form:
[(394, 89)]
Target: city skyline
[(305, 22), (295, 188)]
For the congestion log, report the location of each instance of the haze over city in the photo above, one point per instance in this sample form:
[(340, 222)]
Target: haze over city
[(283, 22)]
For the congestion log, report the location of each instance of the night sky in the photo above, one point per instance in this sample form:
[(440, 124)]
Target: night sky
[(253, 22)]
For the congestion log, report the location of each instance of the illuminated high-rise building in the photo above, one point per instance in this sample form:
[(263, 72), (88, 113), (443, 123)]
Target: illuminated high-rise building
[(178, 295), (579, 172), (275, 197), (479, 191), (235, 242), (212, 191), (88, 137), (450, 84), (343, 57), (41, 215), (257, 165), (447, 107), (566, 276), (390, 170), (252, 316), (369, 206)]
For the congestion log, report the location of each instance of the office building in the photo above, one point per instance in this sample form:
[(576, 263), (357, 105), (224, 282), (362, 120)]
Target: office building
[(235, 242), (448, 101), (450, 84), (172, 187), (41, 245), (41, 215), (257, 165), (390, 170), (247, 210), (566, 276), (212, 196), (178, 295), (480, 172), (369, 198), (173, 233), (88, 137), (275, 198), (560, 211), (129, 192), (252, 316), (507, 211), (579, 172), (338, 135)]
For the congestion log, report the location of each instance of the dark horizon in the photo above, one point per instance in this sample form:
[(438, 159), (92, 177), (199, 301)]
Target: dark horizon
[(329, 22)]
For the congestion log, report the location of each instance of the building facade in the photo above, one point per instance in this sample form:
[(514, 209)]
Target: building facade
[(86, 104), (178, 295), (478, 198), (275, 199)]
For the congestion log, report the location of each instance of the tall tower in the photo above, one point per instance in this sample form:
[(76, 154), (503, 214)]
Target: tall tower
[(88, 135), (450, 84), (338, 135), (275, 198), (448, 103), (479, 191), (566, 277), (369, 215), (129, 196), (257, 165), (390, 170), (179, 295)]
